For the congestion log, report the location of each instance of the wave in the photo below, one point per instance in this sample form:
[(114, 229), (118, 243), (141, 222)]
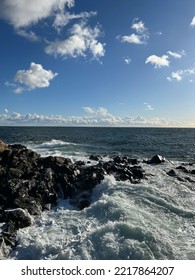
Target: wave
[(54, 143)]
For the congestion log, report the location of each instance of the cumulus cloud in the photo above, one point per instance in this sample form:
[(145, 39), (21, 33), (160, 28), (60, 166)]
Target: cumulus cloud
[(192, 24), (175, 76), (181, 74), (83, 39), (88, 110), (158, 61), (138, 26), (23, 13), (100, 112), (164, 60), (35, 77), (133, 39), (141, 35)]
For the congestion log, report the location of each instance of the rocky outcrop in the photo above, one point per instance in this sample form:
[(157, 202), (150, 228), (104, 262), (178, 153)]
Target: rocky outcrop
[(180, 173)]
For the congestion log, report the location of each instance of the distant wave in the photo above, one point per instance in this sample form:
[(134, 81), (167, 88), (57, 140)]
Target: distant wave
[(55, 143)]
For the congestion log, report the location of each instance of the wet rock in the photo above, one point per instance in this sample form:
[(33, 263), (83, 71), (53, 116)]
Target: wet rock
[(95, 157), (172, 173), (183, 168), (89, 178), (133, 161), (125, 160), (18, 217), (15, 172), (32, 205), (190, 180), (157, 159), (84, 200), (7, 242), (138, 172)]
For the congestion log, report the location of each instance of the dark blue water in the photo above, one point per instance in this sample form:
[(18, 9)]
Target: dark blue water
[(173, 143)]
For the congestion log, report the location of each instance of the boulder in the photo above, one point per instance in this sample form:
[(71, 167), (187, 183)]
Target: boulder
[(3, 146), (95, 157), (157, 159), (19, 217), (172, 173), (183, 168)]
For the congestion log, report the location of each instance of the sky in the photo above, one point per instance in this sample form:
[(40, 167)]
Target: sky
[(97, 63)]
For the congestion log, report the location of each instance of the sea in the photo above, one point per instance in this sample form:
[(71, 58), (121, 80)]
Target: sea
[(151, 220)]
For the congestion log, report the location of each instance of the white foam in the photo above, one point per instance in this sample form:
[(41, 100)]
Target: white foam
[(55, 143)]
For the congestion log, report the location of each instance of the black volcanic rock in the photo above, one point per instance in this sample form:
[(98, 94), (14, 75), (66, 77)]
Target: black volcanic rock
[(95, 157), (172, 173), (19, 217), (157, 159)]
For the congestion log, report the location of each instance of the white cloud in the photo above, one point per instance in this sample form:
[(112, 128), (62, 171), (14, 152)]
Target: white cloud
[(148, 107), (6, 111), (127, 60), (35, 77), (193, 22), (31, 36), (176, 54), (100, 112), (140, 38), (63, 18), (100, 117), (23, 13), (83, 39), (175, 76), (88, 110), (181, 74), (138, 26), (158, 61), (133, 39), (19, 90)]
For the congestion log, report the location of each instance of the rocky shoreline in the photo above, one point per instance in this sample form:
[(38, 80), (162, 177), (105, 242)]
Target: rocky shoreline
[(30, 184)]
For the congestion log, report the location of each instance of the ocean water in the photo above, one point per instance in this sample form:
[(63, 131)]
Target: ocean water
[(154, 219)]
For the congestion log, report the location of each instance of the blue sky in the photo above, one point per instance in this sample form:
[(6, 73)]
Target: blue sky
[(97, 63)]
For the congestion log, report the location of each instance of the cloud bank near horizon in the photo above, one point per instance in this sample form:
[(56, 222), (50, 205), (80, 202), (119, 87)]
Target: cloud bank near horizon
[(92, 117)]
